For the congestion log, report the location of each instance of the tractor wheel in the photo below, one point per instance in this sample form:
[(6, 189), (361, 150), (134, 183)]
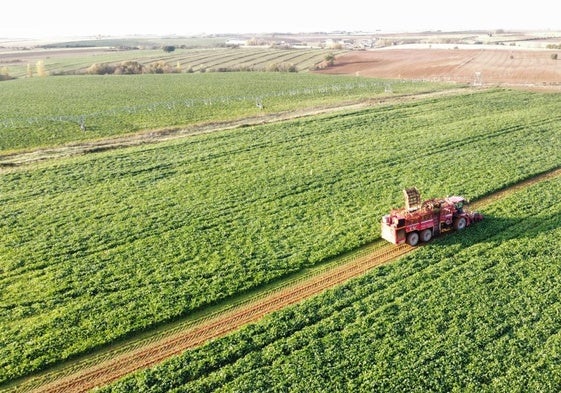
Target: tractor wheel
[(460, 223), (426, 235), (413, 238)]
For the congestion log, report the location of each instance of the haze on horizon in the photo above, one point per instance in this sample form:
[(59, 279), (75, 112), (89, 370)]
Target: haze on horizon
[(65, 18)]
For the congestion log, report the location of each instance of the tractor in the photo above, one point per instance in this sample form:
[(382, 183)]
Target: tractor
[(421, 221)]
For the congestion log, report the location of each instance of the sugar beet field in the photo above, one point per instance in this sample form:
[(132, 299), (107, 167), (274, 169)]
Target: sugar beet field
[(471, 312), (42, 112), (100, 247)]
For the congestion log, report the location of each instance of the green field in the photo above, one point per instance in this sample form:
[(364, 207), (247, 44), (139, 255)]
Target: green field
[(99, 247), (48, 111), (181, 60), (478, 311)]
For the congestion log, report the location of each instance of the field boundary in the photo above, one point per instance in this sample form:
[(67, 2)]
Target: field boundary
[(97, 370)]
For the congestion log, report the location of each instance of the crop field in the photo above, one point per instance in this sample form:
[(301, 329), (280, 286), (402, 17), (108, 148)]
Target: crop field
[(99, 247), (182, 60), (40, 112), (477, 311)]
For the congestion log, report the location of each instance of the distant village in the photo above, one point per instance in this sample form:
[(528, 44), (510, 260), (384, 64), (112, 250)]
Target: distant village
[(329, 43), (377, 39)]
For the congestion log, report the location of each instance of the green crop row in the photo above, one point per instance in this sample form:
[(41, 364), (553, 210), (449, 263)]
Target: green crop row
[(50, 111), (180, 60), (99, 247), (476, 311)]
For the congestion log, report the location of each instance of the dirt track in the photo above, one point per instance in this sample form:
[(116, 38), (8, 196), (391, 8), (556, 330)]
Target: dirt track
[(153, 136)]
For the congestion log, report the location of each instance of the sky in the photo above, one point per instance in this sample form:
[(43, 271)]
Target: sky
[(67, 18)]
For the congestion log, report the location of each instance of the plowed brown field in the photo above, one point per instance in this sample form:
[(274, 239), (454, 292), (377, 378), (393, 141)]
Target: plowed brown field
[(488, 66)]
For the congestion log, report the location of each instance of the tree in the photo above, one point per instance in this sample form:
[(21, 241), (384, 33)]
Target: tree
[(4, 74), (100, 69), (129, 68), (40, 68), (330, 59), (160, 67), (168, 48)]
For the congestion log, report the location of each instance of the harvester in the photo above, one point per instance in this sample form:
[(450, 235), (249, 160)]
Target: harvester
[(421, 221)]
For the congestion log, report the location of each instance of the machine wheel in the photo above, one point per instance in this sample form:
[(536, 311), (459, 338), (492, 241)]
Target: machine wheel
[(426, 235), (413, 238), (460, 223)]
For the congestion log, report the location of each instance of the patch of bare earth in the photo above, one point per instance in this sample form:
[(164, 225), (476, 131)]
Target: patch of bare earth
[(487, 66)]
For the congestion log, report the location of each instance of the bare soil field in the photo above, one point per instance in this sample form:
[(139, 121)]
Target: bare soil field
[(509, 67)]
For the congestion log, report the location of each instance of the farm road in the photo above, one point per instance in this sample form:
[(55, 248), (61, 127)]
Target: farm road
[(101, 370), (11, 160)]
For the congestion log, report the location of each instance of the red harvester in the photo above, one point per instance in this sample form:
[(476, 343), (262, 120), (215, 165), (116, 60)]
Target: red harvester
[(421, 221)]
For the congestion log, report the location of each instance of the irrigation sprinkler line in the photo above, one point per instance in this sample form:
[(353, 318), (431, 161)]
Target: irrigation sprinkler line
[(17, 158), (186, 103)]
